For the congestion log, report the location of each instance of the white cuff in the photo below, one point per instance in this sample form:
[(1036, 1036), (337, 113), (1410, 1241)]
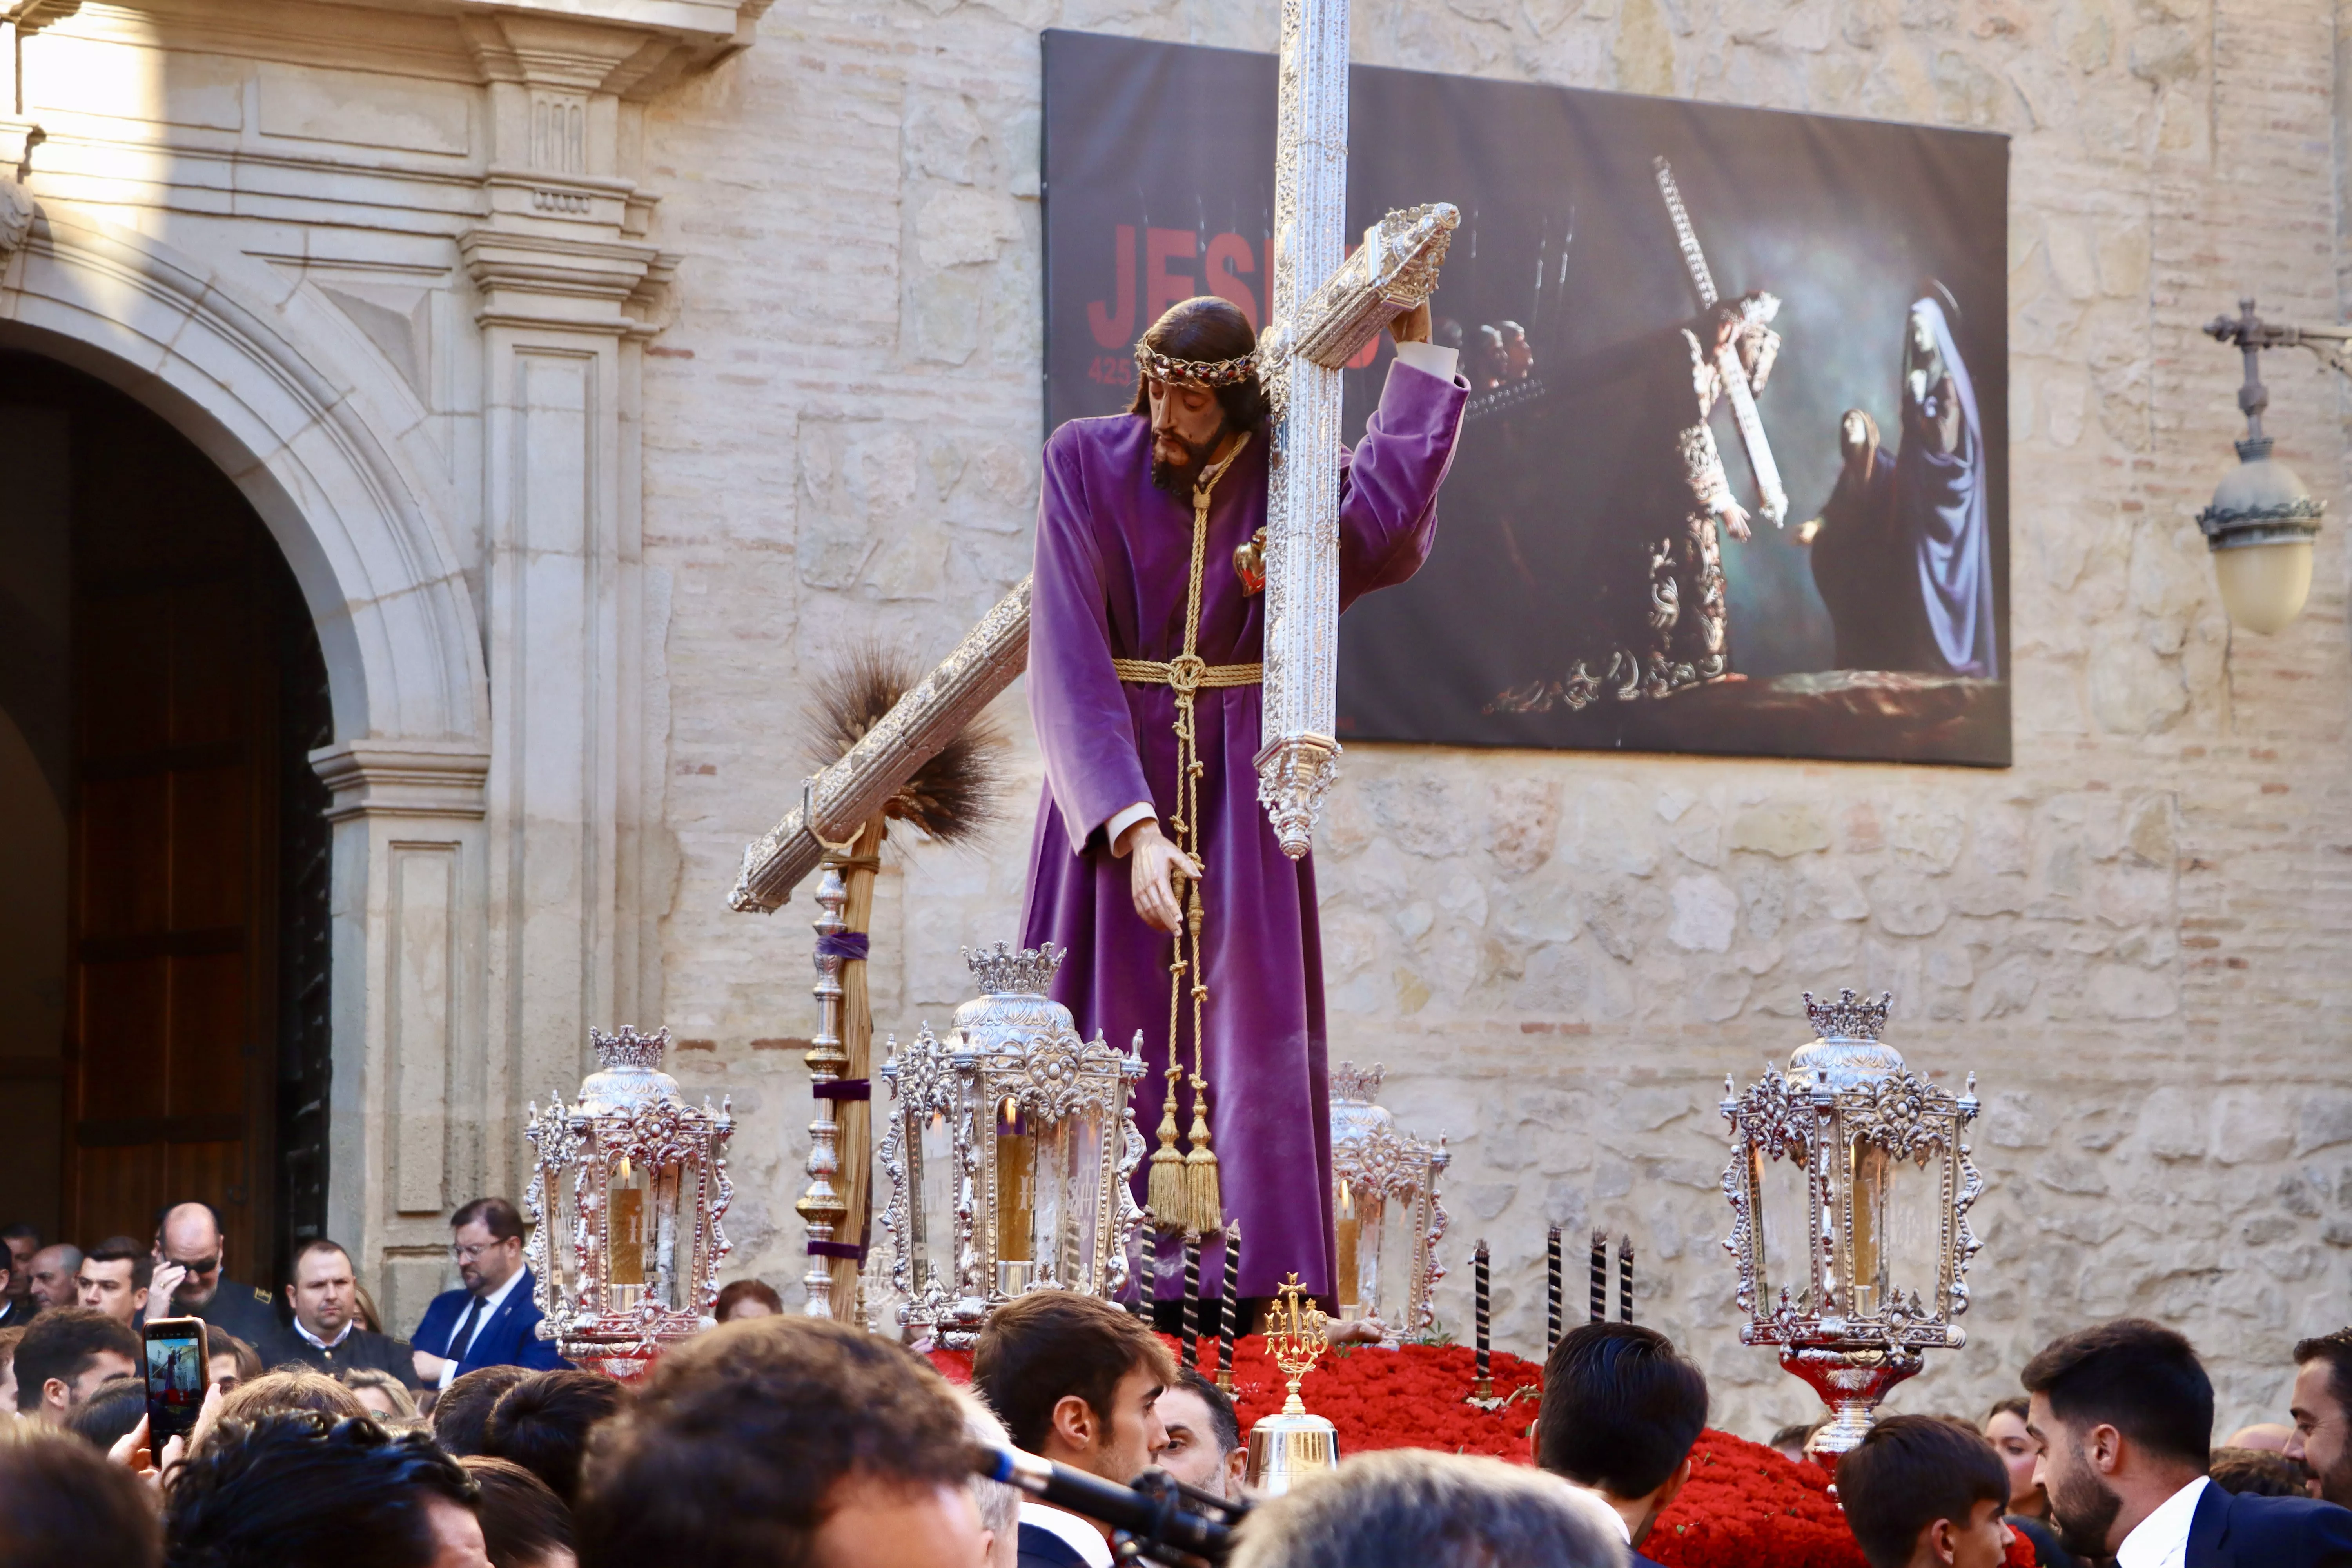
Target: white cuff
[(448, 1372), (1430, 359), (1125, 820)]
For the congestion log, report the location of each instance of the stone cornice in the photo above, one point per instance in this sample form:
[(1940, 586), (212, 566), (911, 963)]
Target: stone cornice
[(405, 778), (575, 284), (631, 48)]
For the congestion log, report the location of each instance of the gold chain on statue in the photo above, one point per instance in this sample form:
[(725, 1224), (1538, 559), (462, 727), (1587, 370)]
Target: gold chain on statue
[(1183, 1193)]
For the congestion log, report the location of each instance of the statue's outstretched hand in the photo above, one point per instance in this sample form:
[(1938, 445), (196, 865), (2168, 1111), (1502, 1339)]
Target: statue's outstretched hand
[(1153, 864)]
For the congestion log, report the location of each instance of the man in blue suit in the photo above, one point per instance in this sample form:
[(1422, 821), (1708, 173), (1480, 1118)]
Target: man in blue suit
[(492, 1321), (2125, 1416)]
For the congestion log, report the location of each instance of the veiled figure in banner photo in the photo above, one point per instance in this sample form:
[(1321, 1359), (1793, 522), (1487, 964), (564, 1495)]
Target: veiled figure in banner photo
[(1902, 549), (1151, 861)]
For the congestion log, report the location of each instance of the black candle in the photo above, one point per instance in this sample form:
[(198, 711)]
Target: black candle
[(1552, 1290), (1599, 1275), (1227, 1325), (1624, 1278), (1484, 1352), (1191, 1299)]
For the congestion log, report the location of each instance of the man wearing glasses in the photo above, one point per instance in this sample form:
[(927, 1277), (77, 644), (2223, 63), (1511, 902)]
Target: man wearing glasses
[(191, 1279), (492, 1319)]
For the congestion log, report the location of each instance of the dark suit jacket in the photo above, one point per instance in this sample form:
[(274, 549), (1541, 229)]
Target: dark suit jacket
[(508, 1337), (245, 1310), (2247, 1531), (358, 1348), (1043, 1549)]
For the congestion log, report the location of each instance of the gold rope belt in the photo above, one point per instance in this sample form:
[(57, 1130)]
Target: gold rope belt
[(1186, 673), (1182, 1191)]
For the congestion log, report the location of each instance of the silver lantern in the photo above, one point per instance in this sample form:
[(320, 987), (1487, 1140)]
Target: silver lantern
[(1386, 1218), (626, 1191), (1850, 1188), (1009, 1150)]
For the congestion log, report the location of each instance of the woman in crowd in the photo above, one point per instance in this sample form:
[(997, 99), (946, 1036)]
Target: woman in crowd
[(2029, 1505)]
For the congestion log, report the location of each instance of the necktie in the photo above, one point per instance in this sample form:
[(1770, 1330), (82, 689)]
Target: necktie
[(465, 1334)]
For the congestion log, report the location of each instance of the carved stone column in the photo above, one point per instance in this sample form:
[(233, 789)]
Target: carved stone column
[(565, 284), (412, 1113)]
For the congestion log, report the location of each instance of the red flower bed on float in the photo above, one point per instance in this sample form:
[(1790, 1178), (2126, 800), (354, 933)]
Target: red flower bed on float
[(1746, 1506)]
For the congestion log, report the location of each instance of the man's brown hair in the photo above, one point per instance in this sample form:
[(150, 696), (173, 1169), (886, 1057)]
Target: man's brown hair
[(1206, 329), (62, 1342), (1910, 1471), (2335, 1350), (62, 1504), (730, 1455), (1040, 1348), (2140, 1377), (496, 1216)]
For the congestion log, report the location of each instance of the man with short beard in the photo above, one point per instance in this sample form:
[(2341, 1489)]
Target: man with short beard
[(1147, 637), (2125, 1416), (2322, 1415)]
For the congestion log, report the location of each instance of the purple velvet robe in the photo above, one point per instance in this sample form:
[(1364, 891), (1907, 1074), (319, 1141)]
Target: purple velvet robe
[(1113, 557)]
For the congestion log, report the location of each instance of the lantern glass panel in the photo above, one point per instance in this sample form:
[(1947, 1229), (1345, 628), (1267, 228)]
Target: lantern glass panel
[(1784, 1203), (1356, 1216), (1871, 1175), (1016, 1184), (1069, 1198), (1385, 1252), (629, 1230), (1915, 1231), (932, 1167)]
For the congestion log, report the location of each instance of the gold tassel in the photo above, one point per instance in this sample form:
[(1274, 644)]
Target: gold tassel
[(1168, 1195), (1205, 1203)]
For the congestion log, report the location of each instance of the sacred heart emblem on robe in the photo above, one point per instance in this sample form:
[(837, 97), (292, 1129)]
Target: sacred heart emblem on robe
[(1249, 565)]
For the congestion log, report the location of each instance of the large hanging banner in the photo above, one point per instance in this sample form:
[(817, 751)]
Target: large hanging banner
[(1735, 473)]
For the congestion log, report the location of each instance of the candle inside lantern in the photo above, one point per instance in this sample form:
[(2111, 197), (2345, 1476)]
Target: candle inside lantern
[(1351, 1231), (1872, 1171), (626, 1232), (1016, 1184)]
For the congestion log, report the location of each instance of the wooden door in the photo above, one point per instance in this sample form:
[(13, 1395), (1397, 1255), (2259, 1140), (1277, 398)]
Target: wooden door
[(179, 600)]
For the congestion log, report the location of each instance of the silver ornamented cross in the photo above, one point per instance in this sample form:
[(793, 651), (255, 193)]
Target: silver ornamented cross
[(1323, 313)]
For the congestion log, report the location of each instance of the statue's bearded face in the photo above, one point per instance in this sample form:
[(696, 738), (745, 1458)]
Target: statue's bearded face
[(1188, 424)]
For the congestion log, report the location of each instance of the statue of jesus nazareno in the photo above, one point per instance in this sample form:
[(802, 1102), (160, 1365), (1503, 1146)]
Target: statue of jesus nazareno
[(1151, 861)]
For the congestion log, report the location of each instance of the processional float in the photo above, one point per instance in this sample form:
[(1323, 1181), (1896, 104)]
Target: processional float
[(1326, 305)]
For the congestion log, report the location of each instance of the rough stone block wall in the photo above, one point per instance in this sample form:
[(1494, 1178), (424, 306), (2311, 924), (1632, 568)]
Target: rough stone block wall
[(2136, 937)]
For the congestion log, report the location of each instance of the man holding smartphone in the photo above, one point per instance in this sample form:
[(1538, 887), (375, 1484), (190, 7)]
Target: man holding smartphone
[(191, 1280)]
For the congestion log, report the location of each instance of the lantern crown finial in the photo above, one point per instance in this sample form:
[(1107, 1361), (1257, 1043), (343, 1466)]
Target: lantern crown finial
[(1001, 972), (1349, 1082), (629, 1048), (1848, 1018)]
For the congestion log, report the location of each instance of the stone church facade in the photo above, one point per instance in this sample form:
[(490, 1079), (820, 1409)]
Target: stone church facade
[(600, 368)]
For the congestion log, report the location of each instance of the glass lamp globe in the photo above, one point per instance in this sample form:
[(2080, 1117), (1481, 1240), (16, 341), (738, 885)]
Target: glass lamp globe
[(2261, 526)]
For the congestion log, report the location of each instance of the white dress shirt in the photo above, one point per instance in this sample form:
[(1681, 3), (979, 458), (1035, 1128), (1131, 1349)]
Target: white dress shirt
[(2161, 1540), (1430, 359), (326, 1344), (1079, 1534), (491, 1305)]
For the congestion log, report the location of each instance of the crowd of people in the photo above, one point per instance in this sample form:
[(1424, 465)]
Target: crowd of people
[(774, 1439)]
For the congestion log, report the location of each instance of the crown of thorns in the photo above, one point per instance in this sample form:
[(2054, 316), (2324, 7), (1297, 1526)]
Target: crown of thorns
[(1159, 367)]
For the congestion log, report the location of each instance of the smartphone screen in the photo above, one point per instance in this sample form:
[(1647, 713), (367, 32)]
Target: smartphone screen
[(175, 1377)]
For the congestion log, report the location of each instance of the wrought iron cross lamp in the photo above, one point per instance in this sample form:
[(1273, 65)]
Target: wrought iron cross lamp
[(2262, 520), (1850, 1188)]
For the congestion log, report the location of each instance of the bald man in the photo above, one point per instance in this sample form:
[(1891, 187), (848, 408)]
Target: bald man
[(192, 1278)]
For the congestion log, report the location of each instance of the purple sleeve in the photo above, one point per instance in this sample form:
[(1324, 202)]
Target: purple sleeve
[(1075, 703), (1388, 498)]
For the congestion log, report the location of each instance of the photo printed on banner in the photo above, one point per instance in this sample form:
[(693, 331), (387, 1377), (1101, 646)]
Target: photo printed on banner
[(1734, 475)]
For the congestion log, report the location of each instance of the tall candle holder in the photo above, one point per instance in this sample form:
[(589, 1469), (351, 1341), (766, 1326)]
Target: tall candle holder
[(1284, 1449), (1551, 1289), (1387, 1219)]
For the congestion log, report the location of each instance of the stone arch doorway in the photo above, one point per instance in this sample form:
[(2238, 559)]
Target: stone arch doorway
[(328, 451), (165, 681)]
